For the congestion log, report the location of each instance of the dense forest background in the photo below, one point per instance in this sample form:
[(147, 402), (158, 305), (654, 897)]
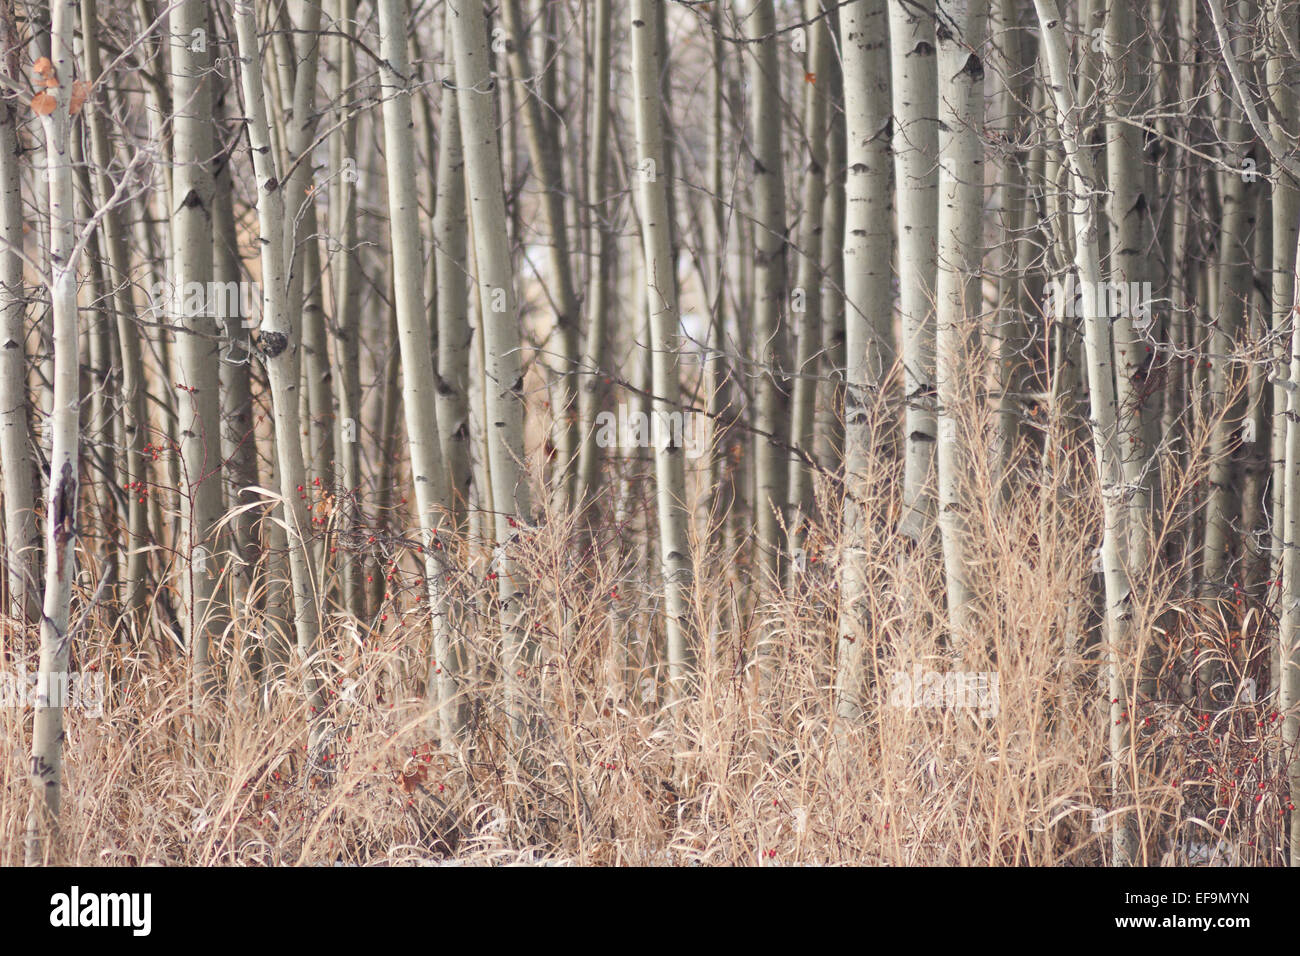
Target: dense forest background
[(634, 432)]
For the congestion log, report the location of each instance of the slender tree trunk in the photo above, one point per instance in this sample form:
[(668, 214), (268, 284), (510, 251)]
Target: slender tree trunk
[(198, 344), (661, 301), (593, 393), (546, 153), (830, 427), (419, 391), (916, 181), (345, 271), (277, 342), (1132, 240), (22, 537), (867, 281), (503, 384), (1223, 505), (806, 296), (1289, 624), (46, 768), (1283, 117), (770, 328), (451, 259), (958, 298), (1104, 417), (132, 389)]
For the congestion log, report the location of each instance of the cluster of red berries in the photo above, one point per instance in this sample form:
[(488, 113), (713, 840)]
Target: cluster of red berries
[(140, 488)]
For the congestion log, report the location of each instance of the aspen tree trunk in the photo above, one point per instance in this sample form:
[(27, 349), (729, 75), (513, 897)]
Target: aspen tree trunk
[(592, 391), (806, 297), (724, 391), (830, 426), (1289, 623), (1255, 463), (135, 416), (276, 340), (451, 261), (297, 50), (1104, 417), (915, 145), (316, 371), (21, 535), (46, 768), (345, 271), (546, 152), (770, 331), (1131, 239), (661, 302), (198, 345), (503, 379), (1223, 504), (867, 281), (1284, 117), (1012, 344), (419, 391), (239, 442), (958, 298)]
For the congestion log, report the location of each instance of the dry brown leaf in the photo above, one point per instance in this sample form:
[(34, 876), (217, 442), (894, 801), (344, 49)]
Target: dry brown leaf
[(80, 91), (43, 104)]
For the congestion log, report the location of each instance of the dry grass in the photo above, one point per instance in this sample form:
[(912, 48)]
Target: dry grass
[(751, 769)]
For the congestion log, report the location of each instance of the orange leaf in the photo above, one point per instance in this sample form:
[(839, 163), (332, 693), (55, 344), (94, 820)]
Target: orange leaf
[(43, 104), (80, 90), (810, 77), (43, 67), (410, 781)]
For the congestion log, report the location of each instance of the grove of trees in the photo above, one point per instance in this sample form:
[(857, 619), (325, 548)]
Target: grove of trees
[(631, 431)]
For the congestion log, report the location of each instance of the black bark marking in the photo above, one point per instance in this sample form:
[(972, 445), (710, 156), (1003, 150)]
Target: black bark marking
[(65, 513), (272, 344)]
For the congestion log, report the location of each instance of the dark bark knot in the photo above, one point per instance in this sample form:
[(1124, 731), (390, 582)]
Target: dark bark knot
[(272, 344), (65, 511)]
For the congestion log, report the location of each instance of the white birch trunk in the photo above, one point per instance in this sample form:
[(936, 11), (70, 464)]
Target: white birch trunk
[(867, 316), (1104, 419), (661, 301), (958, 299), (503, 378), (46, 769), (419, 390), (916, 181)]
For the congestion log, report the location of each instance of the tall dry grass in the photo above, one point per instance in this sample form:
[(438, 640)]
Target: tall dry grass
[(751, 768)]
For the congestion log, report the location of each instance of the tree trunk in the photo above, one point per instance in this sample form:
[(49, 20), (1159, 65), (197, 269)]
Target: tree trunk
[(806, 296), (958, 299), (770, 330), (22, 537), (503, 383), (419, 391), (546, 153), (46, 768), (1104, 417), (276, 341), (661, 302), (867, 282), (916, 181), (198, 345)]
